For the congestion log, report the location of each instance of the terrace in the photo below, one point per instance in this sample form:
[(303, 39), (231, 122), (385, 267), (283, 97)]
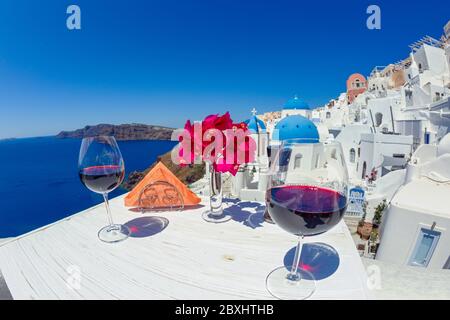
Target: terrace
[(173, 255)]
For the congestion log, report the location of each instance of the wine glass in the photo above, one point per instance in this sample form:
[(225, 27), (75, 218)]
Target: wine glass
[(101, 170), (307, 196)]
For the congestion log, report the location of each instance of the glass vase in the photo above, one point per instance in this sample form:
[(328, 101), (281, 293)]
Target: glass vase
[(216, 213)]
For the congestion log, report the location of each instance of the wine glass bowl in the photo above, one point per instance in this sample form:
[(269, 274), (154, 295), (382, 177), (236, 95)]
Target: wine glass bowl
[(101, 169), (305, 210), (102, 179), (307, 196)]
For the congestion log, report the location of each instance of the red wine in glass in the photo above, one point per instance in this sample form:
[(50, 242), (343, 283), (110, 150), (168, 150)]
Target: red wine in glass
[(102, 179), (307, 196), (101, 169), (305, 210)]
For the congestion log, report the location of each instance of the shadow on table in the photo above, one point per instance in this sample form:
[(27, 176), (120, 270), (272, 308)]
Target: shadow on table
[(231, 200), (146, 226), (251, 218), (320, 259)]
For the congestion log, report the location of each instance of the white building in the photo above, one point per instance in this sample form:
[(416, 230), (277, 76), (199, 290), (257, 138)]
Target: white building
[(259, 134), (382, 112), (383, 153), (416, 227), (350, 139), (250, 182)]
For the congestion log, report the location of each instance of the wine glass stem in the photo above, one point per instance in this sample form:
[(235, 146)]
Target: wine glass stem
[(108, 210), (298, 251)]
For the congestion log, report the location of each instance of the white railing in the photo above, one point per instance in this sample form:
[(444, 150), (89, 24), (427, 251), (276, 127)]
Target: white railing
[(353, 214)]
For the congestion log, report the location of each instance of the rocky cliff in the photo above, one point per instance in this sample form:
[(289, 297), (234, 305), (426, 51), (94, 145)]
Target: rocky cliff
[(122, 132), (187, 175)]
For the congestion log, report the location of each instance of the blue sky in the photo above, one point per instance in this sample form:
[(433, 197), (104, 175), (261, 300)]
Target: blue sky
[(162, 62)]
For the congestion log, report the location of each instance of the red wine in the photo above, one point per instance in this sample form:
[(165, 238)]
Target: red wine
[(305, 210), (102, 179)]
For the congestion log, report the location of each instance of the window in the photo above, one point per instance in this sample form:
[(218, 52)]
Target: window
[(425, 245), (378, 119), (271, 153), (364, 169), (427, 138), (328, 115), (284, 157), (399, 155), (352, 155), (298, 161), (333, 154)]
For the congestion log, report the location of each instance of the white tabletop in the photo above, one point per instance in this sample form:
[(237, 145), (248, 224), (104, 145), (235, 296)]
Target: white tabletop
[(189, 259)]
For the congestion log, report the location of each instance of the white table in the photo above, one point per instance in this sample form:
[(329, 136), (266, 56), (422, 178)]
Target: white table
[(189, 259)]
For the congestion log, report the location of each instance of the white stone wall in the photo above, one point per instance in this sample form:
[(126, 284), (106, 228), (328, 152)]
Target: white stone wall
[(350, 138), (400, 231), (375, 146), (293, 112)]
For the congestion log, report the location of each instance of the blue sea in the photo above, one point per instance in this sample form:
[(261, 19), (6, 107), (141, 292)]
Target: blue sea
[(39, 181)]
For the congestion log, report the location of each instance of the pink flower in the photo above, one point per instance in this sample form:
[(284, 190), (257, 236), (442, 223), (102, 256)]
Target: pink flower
[(221, 166), (238, 147), (224, 122)]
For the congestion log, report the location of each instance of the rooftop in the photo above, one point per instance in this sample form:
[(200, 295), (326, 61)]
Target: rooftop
[(297, 104), (255, 124), (295, 127), (424, 195), (426, 40)]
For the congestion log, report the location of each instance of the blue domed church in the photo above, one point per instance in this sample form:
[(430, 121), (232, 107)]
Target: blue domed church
[(255, 125), (259, 133), (295, 122), (296, 106), (295, 127), (250, 182)]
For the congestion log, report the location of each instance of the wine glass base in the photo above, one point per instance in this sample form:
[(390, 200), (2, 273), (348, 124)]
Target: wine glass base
[(214, 218), (114, 233), (301, 287)]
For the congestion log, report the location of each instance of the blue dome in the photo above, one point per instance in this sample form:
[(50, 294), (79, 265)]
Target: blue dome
[(296, 103), (255, 125), (296, 127)]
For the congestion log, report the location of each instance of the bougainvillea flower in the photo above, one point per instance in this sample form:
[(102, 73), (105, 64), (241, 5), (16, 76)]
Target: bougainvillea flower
[(224, 122), (219, 141)]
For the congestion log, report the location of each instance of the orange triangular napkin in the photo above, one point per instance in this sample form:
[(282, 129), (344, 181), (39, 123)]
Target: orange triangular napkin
[(161, 173)]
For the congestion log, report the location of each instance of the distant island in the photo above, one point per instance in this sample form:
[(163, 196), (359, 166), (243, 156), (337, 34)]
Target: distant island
[(122, 132)]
